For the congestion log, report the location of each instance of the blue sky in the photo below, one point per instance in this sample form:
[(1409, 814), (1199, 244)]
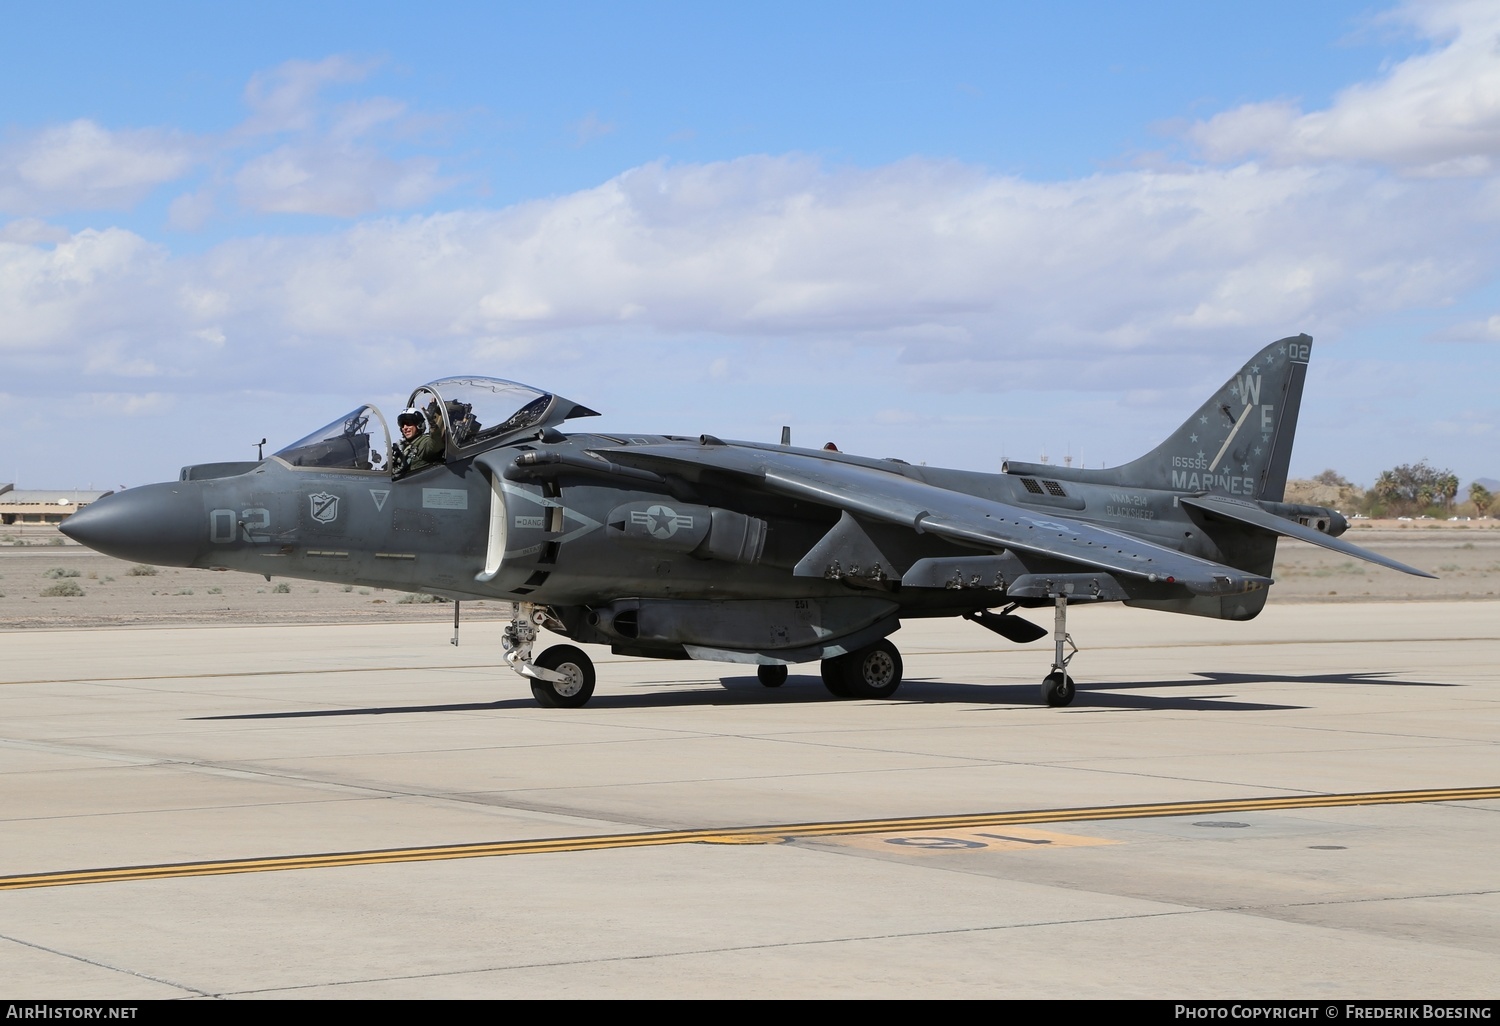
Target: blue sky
[(945, 232)]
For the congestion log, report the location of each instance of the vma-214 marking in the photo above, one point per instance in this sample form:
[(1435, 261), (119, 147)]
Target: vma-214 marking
[(673, 547)]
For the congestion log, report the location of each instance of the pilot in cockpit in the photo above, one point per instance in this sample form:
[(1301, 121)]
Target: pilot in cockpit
[(419, 448)]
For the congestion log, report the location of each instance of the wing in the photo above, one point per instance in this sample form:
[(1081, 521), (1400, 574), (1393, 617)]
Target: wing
[(870, 490)]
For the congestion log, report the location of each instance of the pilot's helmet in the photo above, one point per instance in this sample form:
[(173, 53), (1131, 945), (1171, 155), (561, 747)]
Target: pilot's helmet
[(411, 415)]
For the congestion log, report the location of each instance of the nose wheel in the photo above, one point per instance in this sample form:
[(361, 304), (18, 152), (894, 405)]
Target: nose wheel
[(576, 671), (562, 677)]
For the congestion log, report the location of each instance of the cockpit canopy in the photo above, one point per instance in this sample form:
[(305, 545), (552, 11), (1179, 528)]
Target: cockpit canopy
[(477, 414), (349, 443), (482, 412)]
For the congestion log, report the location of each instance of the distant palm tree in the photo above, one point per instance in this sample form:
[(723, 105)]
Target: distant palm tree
[(1387, 493), (1480, 496), (1447, 487)]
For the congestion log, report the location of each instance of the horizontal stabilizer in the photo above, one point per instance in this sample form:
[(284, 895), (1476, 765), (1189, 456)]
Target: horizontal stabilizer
[(1254, 516)]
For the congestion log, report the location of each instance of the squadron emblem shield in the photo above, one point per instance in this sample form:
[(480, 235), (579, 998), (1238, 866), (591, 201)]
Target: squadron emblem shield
[(325, 507)]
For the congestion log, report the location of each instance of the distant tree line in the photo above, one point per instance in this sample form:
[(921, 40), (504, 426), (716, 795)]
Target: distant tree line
[(1411, 489)]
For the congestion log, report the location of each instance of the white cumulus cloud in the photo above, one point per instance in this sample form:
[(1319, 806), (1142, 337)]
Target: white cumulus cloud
[(83, 166), (296, 152), (333, 161), (946, 263), (286, 98), (335, 181), (1434, 113), (93, 284)]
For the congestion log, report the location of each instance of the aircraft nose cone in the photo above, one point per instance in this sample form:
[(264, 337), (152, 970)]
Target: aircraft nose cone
[(161, 524)]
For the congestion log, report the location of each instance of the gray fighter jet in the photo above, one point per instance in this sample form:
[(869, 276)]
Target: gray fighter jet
[(697, 548)]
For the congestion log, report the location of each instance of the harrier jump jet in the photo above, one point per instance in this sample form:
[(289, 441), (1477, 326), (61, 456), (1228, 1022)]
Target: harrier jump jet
[(698, 548)]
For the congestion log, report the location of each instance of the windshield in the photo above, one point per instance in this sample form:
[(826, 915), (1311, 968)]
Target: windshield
[(356, 441), (485, 409)]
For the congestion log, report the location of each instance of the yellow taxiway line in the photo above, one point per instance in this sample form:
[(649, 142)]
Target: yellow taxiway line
[(770, 834)]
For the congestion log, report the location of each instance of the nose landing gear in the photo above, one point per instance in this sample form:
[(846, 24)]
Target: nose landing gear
[(562, 677)]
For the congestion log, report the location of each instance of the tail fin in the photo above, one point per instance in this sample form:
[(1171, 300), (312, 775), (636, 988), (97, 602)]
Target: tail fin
[(1239, 442)]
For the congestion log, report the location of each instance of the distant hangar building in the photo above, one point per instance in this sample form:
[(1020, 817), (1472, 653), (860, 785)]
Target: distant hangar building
[(42, 506)]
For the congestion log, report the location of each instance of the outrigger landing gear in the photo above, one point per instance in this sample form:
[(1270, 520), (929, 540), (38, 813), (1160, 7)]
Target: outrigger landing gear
[(562, 677), (1057, 688)]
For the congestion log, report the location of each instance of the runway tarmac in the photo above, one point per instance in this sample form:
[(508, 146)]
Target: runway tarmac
[(1305, 806)]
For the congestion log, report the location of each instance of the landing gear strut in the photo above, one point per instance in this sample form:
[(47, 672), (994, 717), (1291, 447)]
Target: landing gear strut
[(1057, 687), (562, 677)]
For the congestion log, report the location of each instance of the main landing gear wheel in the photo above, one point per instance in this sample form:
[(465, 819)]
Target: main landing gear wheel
[(833, 678), (772, 675), (572, 664), (1057, 689), (871, 672)]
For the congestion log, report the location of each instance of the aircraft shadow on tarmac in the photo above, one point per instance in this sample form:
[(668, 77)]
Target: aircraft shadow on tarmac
[(807, 689)]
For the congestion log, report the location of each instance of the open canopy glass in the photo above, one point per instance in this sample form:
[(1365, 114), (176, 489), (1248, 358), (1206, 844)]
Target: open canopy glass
[(476, 413)]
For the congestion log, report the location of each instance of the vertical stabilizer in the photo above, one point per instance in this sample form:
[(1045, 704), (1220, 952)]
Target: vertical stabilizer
[(1239, 442)]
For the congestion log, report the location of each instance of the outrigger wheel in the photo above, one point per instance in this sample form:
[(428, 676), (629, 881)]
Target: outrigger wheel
[(1057, 689), (833, 678), (571, 693), (1057, 686)]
